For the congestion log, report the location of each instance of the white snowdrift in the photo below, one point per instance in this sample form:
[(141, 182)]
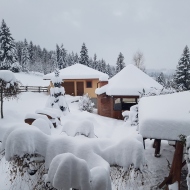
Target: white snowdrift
[(7, 76), (74, 128), (37, 116), (165, 116), (25, 140), (67, 171), (42, 125), (87, 155)]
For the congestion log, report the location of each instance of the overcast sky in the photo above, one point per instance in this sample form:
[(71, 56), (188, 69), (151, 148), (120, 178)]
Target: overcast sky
[(158, 28)]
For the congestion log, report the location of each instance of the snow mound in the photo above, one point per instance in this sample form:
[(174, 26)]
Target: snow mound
[(37, 116), (25, 140), (7, 76), (6, 130), (67, 171), (42, 125), (74, 128), (100, 179)]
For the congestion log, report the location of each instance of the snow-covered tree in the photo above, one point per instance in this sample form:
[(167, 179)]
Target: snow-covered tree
[(57, 99), (61, 57), (31, 55), (84, 58), (7, 47), (138, 60), (161, 79), (16, 67), (25, 57), (120, 64), (182, 75), (95, 62), (8, 87)]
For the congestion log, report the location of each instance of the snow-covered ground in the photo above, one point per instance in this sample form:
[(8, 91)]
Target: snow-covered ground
[(28, 102)]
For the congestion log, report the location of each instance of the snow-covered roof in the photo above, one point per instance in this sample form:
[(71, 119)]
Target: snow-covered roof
[(77, 71), (129, 81), (7, 76), (165, 116)]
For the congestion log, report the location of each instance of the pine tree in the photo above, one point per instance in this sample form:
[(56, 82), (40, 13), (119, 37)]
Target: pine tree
[(19, 47), (108, 70), (95, 62), (61, 57), (120, 64), (161, 79), (76, 59), (182, 75), (57, 99), (84, 59), (31, 56), (7, 47), (25, 57)]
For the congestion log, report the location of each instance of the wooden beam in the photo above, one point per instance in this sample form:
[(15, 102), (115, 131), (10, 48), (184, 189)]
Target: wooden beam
[(175, 172), (157, 145)]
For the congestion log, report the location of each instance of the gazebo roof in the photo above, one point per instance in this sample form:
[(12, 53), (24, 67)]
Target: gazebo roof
[(129, 82)]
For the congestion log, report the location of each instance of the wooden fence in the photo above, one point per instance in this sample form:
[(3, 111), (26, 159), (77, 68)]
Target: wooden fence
[(33, 89)]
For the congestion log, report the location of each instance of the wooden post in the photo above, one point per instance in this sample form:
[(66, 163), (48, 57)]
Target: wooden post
[(157, 144), (175, 171)]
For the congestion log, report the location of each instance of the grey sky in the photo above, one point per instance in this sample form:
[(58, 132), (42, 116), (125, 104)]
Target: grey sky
[(158, 28)]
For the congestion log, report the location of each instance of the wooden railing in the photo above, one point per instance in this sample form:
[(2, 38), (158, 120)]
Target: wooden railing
[(33, 89)]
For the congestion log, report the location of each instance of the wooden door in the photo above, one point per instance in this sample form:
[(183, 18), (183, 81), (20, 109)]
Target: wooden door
[(80, 88), (69, 88)]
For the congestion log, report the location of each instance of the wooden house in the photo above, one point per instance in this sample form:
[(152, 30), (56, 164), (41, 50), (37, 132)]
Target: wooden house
[(79, 79), (122, 91)]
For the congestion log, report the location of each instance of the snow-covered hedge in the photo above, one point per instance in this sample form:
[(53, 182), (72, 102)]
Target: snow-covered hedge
[(91, 156)]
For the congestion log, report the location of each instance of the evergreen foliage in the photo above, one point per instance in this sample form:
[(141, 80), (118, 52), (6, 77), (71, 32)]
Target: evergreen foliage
[(7, 47), (120, 64), (86, 104), (182, 75), (25, 57), (84, 59)]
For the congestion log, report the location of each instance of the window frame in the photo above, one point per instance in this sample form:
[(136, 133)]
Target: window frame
[(87, 84)]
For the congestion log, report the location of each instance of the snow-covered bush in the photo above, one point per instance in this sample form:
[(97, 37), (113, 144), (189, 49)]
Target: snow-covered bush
[(42, 125), (67, 171), (16, 67), (91, 156), (86, 104), (75, 128), (131, 115)]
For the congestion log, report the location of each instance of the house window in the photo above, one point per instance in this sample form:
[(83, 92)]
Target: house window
[(124, 103), (117, 104), (88, 84)]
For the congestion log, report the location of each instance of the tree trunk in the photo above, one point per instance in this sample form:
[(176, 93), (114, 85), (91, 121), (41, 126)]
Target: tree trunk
[(1, 103)]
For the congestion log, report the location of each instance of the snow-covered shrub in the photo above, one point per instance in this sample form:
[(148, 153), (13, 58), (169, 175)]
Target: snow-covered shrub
[(85, 103), (16, 67), (42, 125), (131, 115), (75, 128), (67, 171), (94, 154)]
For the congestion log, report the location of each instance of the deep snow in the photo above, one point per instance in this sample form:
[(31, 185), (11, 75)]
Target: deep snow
[(104, 128)]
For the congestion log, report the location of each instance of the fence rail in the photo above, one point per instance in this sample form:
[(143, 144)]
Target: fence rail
[(33, 89)]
